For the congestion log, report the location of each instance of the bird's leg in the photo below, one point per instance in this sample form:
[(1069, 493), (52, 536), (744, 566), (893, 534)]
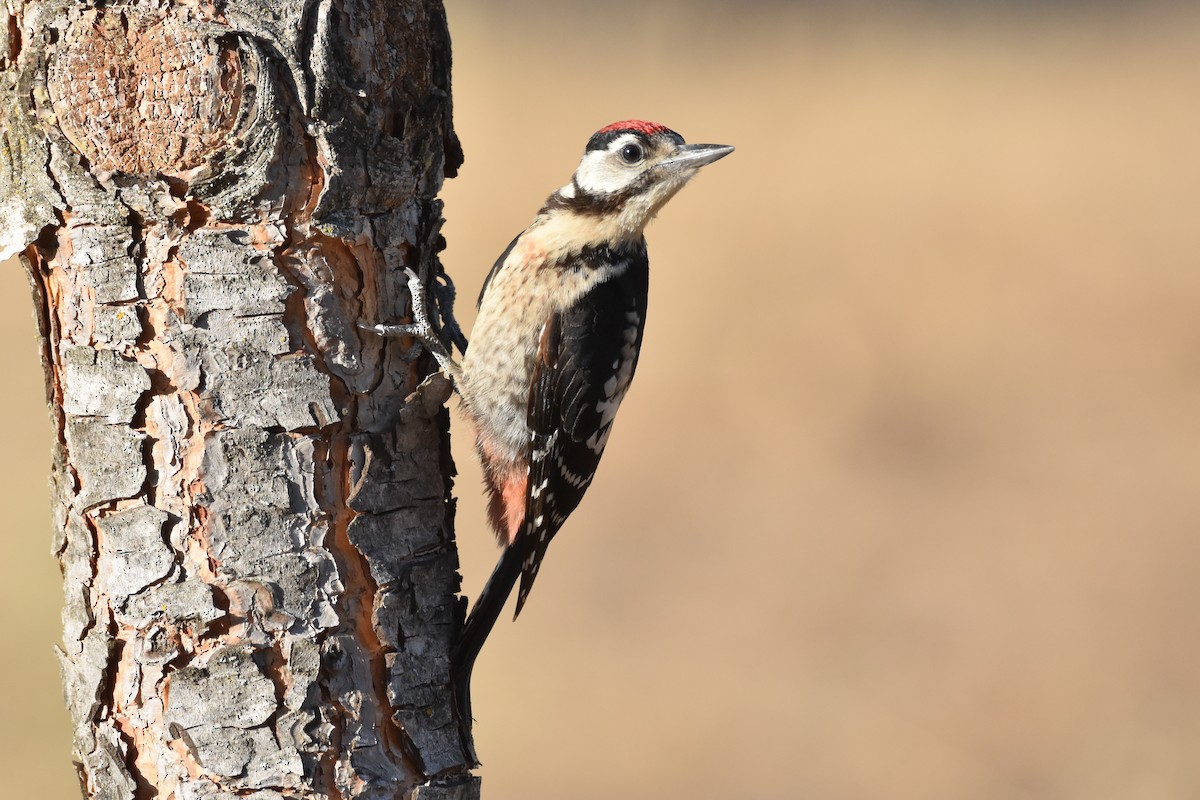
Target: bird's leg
[(420, 329)]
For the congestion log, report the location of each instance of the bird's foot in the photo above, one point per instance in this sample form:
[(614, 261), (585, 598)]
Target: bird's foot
[(419, 329)]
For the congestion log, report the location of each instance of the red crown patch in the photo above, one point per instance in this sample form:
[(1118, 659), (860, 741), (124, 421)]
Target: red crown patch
[(637, 126)]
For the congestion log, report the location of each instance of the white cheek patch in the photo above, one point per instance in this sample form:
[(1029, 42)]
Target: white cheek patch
[(601, 172)]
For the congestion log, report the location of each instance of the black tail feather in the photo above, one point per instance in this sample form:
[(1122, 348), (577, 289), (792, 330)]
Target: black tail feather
[(475, 631)]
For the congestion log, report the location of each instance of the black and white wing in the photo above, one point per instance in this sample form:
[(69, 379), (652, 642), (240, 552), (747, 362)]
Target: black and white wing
[(586, 359)]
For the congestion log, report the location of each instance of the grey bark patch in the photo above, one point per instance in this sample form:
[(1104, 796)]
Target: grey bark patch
[(332, 303), (304, 660), (393, 178), (275, 761), (27, 194), (434, 731), (187, 345), (388, 484), (83, 675), (402, 532), (189, 603), (106, 766), (251, 755), (77, 567), (206, 790), (248, 696), (349, 684), (133, 554), (248, 386), (100, 253), (267, 551), (245, 337), (235, 297), (388, 540), (430, 607), (101, 383), (418, 676), (107, 458), (223, 275), (116, 326), (462, 788)]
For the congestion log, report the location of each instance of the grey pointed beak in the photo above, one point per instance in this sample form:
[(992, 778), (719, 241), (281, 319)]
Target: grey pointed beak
[(694, 156)]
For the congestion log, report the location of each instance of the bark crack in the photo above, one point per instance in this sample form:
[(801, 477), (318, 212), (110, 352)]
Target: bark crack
[(358, 605)]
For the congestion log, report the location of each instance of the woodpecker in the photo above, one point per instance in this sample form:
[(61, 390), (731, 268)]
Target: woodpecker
[(554, 349)]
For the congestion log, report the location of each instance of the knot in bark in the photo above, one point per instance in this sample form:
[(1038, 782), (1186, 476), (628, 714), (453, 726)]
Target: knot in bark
[(145, 93)]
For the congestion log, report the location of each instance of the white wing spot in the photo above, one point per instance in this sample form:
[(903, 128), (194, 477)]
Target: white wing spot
[(597, 441), (578, 481), (607, 408)]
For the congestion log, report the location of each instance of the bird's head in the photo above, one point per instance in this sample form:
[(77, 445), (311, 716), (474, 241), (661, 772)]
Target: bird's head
[(629, 171)]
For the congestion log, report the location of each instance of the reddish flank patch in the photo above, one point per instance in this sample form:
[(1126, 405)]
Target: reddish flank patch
[(637, 126)]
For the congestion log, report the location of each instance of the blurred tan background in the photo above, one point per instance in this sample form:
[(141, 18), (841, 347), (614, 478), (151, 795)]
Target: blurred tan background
[(905, 502)]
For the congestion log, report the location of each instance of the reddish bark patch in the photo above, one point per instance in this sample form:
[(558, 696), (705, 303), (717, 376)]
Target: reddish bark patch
[(139, 93)]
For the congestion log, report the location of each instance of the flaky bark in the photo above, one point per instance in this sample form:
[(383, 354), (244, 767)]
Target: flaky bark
[(252, 505)]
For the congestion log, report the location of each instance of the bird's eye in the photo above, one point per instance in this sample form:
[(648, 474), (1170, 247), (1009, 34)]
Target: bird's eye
[(631, 153)]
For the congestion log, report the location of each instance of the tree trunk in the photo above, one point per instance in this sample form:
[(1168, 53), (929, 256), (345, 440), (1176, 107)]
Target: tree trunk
[(251, 497)]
